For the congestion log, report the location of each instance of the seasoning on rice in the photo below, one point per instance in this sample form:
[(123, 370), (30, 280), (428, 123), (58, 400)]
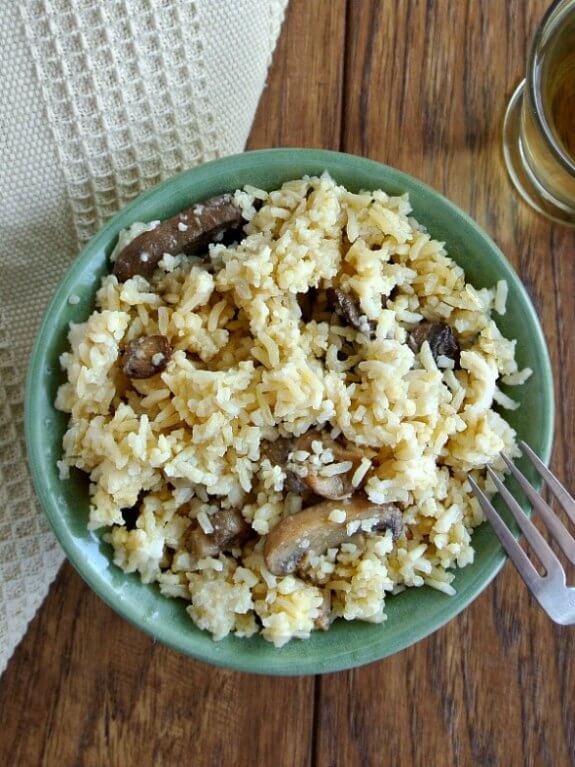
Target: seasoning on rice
[(382, 401)]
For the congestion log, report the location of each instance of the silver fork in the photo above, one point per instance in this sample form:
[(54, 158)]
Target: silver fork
[(550, 590)]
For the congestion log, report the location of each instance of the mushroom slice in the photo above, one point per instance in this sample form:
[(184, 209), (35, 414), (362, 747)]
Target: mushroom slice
[(146, 356), (230, 529), (347, 307), (188, 232), (312, 530), (336, 486), (277, 453), (296, 485), (439, 336)]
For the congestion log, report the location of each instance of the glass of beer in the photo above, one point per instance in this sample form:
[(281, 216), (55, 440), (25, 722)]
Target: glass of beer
[(539, 128)]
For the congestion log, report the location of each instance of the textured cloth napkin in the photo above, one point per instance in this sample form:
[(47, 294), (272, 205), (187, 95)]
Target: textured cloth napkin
[(100, 99)]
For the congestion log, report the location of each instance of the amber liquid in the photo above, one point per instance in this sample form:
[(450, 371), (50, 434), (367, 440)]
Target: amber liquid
[(547, 133), (557, 83)]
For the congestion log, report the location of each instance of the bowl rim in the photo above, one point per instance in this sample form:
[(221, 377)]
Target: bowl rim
[(343, 659)]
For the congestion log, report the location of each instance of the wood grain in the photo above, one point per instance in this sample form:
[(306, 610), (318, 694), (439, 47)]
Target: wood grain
[(86, 689), (302, 104), (422, 86), (426, 87)]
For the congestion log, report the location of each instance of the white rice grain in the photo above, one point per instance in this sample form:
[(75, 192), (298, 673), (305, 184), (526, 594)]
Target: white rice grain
[(205, 523), (501, 293), (505, 401), (337, 515), (517, 379), (334, 469), (360, 472)]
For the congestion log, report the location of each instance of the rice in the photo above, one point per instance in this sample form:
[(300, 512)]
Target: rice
[(333, 469), (338, 516), (500, 300), (360, 472), (187, 443)]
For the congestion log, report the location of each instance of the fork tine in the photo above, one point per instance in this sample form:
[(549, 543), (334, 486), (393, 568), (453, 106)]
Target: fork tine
[(565, 499), (533, 536), (516, 553), (556, 527)]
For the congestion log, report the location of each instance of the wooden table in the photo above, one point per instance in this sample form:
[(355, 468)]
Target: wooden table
[(422, 86)]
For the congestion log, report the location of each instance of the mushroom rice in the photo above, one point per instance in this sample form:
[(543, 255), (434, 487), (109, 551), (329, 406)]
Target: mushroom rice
[(278, 401)]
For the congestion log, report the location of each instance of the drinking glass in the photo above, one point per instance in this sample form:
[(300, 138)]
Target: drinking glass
[(539, 127)]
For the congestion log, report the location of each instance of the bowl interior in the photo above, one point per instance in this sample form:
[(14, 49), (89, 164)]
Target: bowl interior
[(411, 615)]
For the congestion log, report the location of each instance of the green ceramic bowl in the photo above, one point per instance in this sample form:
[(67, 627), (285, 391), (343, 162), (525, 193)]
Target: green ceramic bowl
[(411, 615)]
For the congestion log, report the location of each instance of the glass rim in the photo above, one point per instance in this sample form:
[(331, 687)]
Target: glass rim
[(539, 113)]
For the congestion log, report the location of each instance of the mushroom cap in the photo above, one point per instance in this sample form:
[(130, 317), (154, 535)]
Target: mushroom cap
[(440, 337), (146, 356), (188, 232), (230, 529), (312, 530), (337, 486)]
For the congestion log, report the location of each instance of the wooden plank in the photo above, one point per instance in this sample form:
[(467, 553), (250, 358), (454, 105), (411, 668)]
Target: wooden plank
[(302, 104), (84, 687), (426, 88)]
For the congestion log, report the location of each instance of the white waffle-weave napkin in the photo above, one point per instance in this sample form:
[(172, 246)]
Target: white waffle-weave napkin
[(100, 99)]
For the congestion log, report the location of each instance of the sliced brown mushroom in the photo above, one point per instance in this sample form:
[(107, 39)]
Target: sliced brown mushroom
[(337, 486), (440, 337), (347, 307), (230, 530), (146, 356), (277, 453), (297, 486), (312, 530), (183, 510), (188, 232)]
